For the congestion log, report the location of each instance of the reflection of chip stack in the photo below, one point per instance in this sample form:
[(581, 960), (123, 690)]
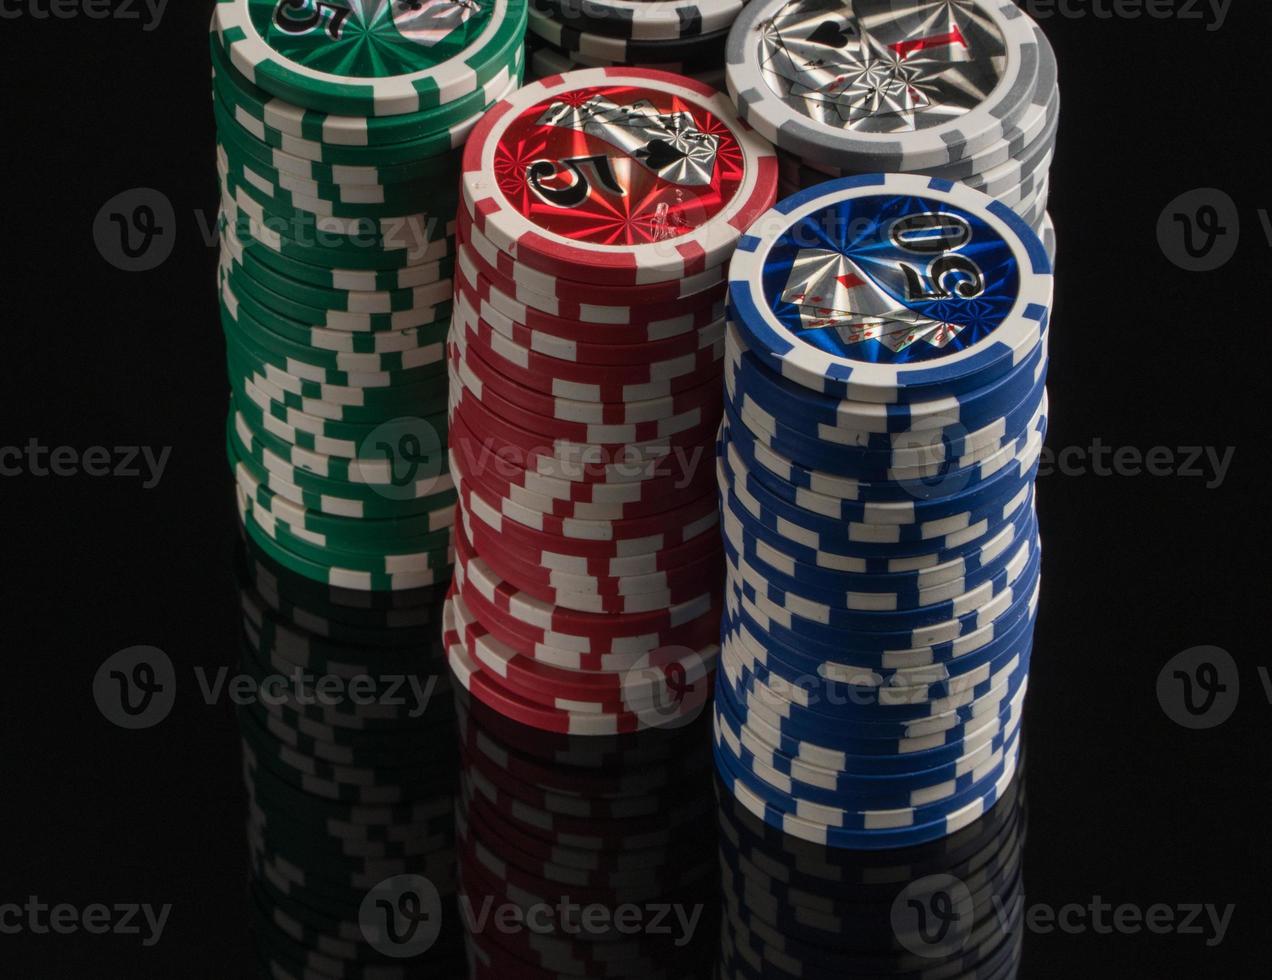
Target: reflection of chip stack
[(599, 212), (339, 131), (963, 90), (621, 825), (821, 911), (886, 361), (345, 793), (685, 37)]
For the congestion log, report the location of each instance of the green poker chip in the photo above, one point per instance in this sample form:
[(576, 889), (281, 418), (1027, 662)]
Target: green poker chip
[(269, 184), (324, 567), (295, 358), (395, 239), (393, 454), (341, 280), (367, 57), (420, 399), (322, 127), (357, 433), (346, 534), (411, 164), (340, 331), (330, 298), (434, 496)]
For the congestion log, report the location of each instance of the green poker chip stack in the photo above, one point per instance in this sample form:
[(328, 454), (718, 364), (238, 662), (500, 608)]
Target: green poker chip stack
[(340, 130)]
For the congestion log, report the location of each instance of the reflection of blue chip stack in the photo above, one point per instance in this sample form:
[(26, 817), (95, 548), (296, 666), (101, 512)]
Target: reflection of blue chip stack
[(948, 908), (884, 419), (963, 90)]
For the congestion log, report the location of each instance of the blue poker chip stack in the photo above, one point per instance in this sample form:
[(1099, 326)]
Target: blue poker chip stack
[(884, 418)]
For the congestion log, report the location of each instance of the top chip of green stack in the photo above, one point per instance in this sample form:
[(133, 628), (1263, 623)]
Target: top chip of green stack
[(370, 57)]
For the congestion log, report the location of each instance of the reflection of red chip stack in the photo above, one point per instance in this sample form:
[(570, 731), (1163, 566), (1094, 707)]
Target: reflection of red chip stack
[(600, 211)]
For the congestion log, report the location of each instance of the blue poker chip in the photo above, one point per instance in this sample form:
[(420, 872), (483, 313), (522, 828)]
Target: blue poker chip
[(881, 589), (880, 427), (899, 828), (890, 288), (867, 757), (835, 631), (830, 611), (949, 496)]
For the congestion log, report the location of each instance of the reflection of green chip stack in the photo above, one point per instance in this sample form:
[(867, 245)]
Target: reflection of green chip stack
[(340, 126)]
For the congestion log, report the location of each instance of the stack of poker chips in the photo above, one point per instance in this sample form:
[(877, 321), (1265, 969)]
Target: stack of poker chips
[(351, 769), (686, 37), (949, 908), (884, 420), (339, 131), (599, 211), (605, 845), (964, 91)]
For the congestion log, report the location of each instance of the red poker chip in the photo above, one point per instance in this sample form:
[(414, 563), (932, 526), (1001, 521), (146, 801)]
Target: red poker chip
[(538, 178), (571, 536), (475, 439), (606, 305), (621, 596), (485, 687), (663, 676), (586, 433), (578, 291), (674, 374), (594, 642), (498, 476), (589, 351), (477, 373), (672, 497), (685, 321), (611, 602), (682, 453)]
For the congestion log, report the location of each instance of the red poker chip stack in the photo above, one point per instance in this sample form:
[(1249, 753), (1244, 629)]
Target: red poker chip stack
[(601, 208)]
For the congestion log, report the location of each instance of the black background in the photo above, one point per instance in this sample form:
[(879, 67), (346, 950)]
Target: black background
[(1124, 804)]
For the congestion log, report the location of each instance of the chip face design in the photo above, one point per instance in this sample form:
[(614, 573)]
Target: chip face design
[(619, 165), (882, 66), (890, 278), (369, 38)]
